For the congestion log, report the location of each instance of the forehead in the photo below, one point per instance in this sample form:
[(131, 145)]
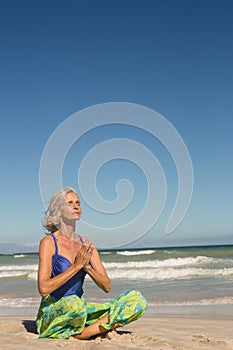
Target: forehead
[(71, 196)]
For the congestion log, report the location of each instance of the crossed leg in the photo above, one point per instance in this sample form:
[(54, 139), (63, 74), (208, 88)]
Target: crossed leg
[(95, 329)]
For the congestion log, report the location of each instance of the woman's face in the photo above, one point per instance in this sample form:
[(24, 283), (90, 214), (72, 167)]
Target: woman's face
[(70, 209)]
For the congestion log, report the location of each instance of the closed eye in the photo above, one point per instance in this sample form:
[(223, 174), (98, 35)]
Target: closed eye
[(72, 203)]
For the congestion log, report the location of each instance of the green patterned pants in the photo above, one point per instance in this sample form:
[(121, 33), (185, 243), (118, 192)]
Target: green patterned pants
[(69, 315)]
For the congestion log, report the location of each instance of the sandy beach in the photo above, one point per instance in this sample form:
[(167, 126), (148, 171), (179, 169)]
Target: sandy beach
[(164, 333), (189, 292)]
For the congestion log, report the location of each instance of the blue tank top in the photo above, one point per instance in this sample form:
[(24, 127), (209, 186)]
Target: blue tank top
[(74, 285)]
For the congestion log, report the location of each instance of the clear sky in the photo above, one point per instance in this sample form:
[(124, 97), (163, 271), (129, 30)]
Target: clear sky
[(172, 56)]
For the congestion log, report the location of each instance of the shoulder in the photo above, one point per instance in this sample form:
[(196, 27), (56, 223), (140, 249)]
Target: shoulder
[(47, 243), (46, 239)]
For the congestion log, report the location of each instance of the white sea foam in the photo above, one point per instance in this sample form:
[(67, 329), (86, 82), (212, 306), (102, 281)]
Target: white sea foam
[(179, 268), (161, 263), (19, 302), (18, 267), (10, 271), (139, 252), (211, 301), (169, 251), (169, 273), (34, 302), (19, 256)]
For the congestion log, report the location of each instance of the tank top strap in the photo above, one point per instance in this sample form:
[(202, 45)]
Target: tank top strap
[(55, 242)]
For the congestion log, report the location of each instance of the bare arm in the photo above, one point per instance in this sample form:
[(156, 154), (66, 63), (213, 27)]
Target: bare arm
[(97, 272), (46, 283)]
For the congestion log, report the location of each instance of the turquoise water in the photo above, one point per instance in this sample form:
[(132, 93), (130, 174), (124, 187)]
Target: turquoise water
[(174, 280)]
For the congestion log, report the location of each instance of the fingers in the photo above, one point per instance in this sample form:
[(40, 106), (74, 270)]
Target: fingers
[(84, 254), (87, 241), (86, 249)]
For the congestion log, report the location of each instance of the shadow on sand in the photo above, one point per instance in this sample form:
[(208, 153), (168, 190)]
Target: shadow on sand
[(30, 326)]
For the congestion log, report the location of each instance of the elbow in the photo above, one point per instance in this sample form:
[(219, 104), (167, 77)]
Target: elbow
[(108, 287), (43, 294), (43, 291)]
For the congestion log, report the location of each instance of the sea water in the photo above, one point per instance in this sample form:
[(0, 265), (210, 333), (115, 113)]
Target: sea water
[(187, 281)]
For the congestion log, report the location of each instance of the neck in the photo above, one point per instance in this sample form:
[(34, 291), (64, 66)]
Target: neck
[(68, 229)]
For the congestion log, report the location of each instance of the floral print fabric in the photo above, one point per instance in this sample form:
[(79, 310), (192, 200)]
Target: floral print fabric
[(69, 315)]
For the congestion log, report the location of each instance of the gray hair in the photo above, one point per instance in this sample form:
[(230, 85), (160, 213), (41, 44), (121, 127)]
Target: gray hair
[(52, 218)]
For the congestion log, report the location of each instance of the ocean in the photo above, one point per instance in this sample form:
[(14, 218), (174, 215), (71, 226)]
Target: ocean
[(182, 281)]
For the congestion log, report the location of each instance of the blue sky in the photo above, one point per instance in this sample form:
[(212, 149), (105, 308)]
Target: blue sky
[(175, 57)]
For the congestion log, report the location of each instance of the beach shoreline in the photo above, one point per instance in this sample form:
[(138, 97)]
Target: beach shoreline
[(157, 333), (213, 312), (189, 292)]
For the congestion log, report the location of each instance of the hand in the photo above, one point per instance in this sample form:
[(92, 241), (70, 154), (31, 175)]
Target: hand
[(84, 255), (87, 267), (86, 241)]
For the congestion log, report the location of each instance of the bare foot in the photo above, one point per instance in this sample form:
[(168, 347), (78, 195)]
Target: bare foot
[(95, 329)]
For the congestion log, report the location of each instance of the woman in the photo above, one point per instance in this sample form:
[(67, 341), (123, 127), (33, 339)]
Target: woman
[(65, 259)]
